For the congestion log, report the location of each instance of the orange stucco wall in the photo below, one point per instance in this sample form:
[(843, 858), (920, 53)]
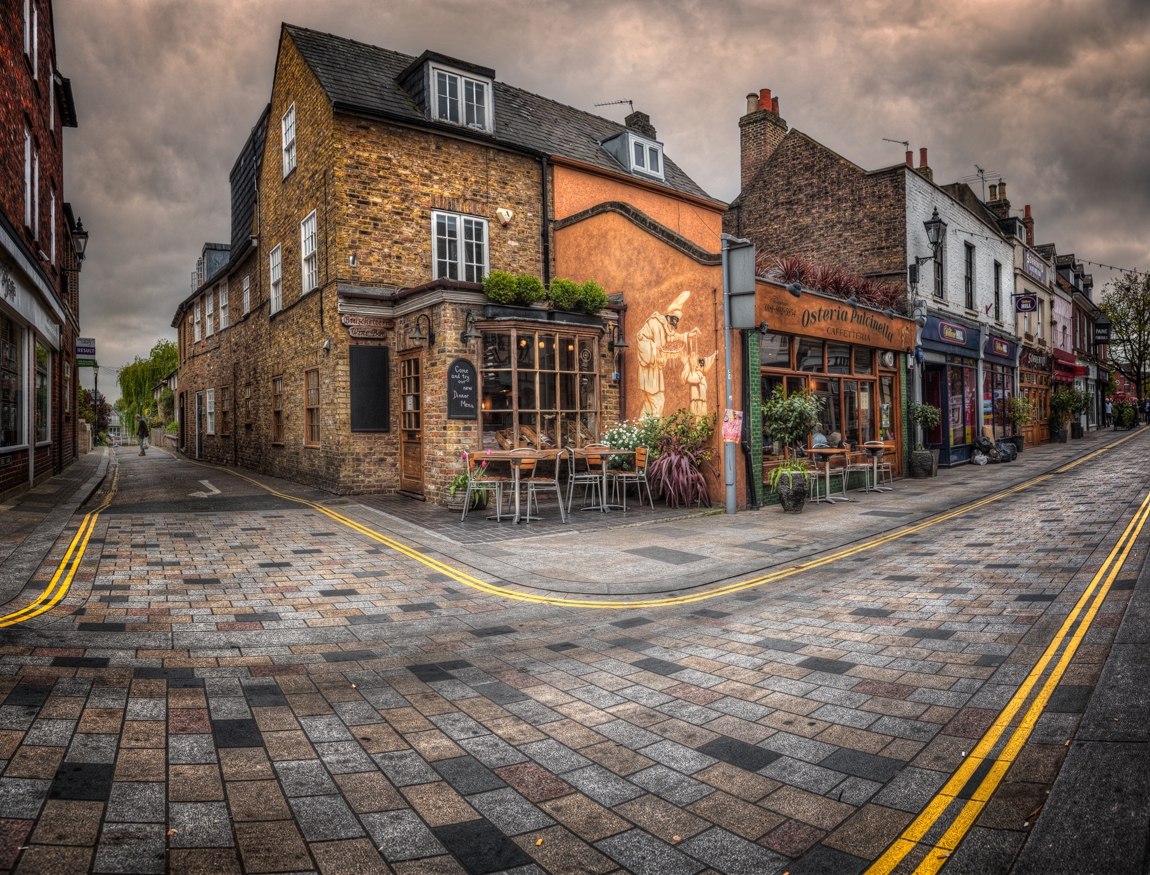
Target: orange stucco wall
[(653, 277), (577, 190)]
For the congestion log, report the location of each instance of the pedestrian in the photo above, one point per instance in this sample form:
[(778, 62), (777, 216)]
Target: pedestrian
[(142, 433), (1109, 412)]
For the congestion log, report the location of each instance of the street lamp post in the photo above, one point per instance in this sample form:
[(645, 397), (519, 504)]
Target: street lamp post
[(738, 313)]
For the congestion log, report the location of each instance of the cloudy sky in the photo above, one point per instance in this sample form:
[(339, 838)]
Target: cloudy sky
[(1050, 94)]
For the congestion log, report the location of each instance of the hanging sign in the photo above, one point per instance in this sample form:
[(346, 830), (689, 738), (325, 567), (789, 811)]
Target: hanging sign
[(369, 327), (462, 390), (1025, 303)]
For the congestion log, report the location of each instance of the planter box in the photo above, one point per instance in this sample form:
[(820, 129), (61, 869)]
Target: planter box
[(1076, 430), (539, 314)]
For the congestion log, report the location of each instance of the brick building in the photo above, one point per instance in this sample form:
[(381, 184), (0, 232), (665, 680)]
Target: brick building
[(39, 266), (372, 197)]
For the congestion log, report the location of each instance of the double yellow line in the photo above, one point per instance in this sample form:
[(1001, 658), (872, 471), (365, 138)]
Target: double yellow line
[(66, 571), (1070, 634)]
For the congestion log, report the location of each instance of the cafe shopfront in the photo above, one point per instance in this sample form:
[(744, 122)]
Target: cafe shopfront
[(1034, 367), (998, 385), (850, 357), (950, 383)]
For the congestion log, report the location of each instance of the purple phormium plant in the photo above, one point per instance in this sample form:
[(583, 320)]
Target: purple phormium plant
[(676, 474)]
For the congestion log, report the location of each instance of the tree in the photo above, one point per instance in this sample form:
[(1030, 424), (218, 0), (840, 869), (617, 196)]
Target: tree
[(94, 409), (1127, 305), (138, 380)]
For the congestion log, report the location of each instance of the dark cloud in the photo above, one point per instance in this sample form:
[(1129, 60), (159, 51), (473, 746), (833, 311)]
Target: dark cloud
[(1050, 93)]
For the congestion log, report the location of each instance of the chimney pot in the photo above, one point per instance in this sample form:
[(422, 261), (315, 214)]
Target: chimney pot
[(752, 102), (993, 192), (775, 105), (1001, 190), (909, 158), (922, 157), (1027, 210), (765, 98)]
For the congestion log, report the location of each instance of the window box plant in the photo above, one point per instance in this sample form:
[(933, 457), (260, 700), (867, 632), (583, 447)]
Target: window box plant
[(1021, 412), (922, 418), (788, 419)]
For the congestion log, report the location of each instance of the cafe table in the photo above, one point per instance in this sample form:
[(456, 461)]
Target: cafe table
[(872, 448), (827, 453), (604, 455), (514, 456)]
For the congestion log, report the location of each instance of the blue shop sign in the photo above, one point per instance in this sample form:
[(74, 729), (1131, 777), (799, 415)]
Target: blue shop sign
[(946, 336), (997, 348)]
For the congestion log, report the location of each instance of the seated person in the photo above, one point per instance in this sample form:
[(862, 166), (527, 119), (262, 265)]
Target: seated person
[(835, 439), (819, 441)]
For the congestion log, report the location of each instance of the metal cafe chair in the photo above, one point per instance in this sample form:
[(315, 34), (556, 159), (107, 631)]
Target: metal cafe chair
[(876, 450), (637, 475), (536, 483), (860, 464), (591, 477), (827, 467), (479, 478)]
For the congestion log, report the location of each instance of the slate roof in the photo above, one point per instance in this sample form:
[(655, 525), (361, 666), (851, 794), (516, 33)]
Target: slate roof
[(364, 79), (244, 177)]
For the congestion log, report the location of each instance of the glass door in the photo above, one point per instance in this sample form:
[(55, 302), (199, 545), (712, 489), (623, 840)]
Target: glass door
[(411, 423)]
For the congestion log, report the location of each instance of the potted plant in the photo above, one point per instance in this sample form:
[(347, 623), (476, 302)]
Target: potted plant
[(457, 489), (788, 419), (792, 484), (922, 417), (1063, 403), (682, 448), (1082, 402), (1021, 411)]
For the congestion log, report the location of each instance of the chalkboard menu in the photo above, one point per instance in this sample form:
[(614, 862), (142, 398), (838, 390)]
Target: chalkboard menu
[(462, 390)]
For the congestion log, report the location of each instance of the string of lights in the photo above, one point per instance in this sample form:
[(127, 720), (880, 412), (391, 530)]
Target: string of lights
[(1132, 270)]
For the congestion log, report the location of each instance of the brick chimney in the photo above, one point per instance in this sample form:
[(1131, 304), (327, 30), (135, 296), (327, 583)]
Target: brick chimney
[(998, 204), (760, 132), (910, 159), (1028, 224), (924, 168), (640, 123)]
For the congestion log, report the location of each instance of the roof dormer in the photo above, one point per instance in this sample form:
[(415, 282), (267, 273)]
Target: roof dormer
[(640, 155), (452, 91)]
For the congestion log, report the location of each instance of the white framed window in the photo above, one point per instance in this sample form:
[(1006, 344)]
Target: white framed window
[(247, 295), (27, 179), (36, 194), (310, 271), (646, 156), (461, 99), (275, 280), (35, 42), (52, 225), (460, 247), (211, 411), (223, 305), (287, 132), (209, 314), (196, 321), (28, 28)]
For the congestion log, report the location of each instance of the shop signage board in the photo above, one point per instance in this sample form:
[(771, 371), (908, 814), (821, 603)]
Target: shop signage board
[(462, 390), (997, 347), (1102, 333), (1034, 266), (941, 334), (817, 316), (1025, 303), (86, 347), (367, 327), (1035, 361)]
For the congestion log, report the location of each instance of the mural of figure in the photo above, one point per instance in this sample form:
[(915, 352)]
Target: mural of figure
[(657, 342), (695, 370)]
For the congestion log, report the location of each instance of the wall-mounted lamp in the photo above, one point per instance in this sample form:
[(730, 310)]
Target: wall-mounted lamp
[(935, 234), (888, 313), (469, 333), (764, 328), (80, 239), (327, 344), (615, 338), (796, 289), (417, 336)]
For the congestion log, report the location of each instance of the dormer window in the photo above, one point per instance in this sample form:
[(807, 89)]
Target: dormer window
[(461, 100), (638, 154)]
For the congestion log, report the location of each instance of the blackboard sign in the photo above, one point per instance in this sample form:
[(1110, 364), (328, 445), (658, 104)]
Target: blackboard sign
[(462, 390)]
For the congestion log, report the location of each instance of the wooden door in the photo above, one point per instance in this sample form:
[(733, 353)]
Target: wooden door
[(411, 423)]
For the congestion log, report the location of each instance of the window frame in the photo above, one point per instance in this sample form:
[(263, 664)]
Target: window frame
[(210, 411), (309, 254), (940, 272), (460, 263), (28, 29), (311, 402), (275, 278), (278, 410), (998, 292), (647, 146), (197, 333), (968, 276), (288, 160), (463, 79), (27, 177), (247, 284), (209, 320), (35, 194), (41, 419), (247, 403), (225, 410), (52, 225), (223, 295), (13, 395)]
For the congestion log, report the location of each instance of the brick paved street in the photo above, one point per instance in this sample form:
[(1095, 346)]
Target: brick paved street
[(237, 682)]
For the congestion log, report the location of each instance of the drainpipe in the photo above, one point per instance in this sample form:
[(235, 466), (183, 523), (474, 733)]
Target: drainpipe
[(546, 228)]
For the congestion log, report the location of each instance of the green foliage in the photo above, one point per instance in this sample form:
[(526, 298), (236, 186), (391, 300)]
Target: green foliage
[(1020, 411), (529, 290), (790, 469), (500, 287), (167, 405), (682, 429), (790, 418), (172, 428), (592, 298), (565, 294), (1063, 405), (1125, 415), (138, 379), (1126, 302), (924, 416), (94, 408)]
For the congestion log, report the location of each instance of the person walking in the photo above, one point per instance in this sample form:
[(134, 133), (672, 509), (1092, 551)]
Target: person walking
[(142, 433), (1109, 413)]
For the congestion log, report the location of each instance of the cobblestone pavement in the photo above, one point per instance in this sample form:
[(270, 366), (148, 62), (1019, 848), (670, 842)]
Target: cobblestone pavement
[(238, 682)]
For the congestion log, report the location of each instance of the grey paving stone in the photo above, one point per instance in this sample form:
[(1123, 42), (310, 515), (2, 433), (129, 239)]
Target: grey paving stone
[(136, 802), (809, 777), (356, 713), (21, 798), (678, 757), (863, 765), (899, 727), (688, 712), (305, 778), (401, 835), (199, 825), (854, 791), (131, 848), (458, 725), (554, 757), (825, 860), (643, 854), (107, 697), (227, 708), (673, 786), (92, 749), (324, 818), (603, 786), (597, 696), (191, 749), (467, 775), (509, 811), (492, 751), (644, 695), (327, 727), (628, 734), (728, 853), (50, 733), (993, 850), (844, 716), (796, 746), (911, 789), (344, 757)]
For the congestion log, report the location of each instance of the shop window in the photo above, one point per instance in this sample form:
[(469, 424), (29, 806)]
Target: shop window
[(864, 361), (12, 398), (886, 406), (540, 389), (775, 352), (225, 410), (43, 395), (311, 407), (838, 358), (277, 410), (810, 356)]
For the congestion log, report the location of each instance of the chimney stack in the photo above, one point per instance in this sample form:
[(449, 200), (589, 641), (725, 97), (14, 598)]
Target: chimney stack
[(993, 192), (760, 132), (923, 168), (1028, 224), (909, 158), (998, 204), (640, 123)]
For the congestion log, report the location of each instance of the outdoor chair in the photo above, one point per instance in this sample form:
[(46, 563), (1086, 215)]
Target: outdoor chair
[(536, 483), (480, 479), (591, 477), (637, 475), (860, 463), (838, 468)]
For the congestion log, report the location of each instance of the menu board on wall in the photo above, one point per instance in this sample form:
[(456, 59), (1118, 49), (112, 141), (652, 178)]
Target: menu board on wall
[(462, 390)]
